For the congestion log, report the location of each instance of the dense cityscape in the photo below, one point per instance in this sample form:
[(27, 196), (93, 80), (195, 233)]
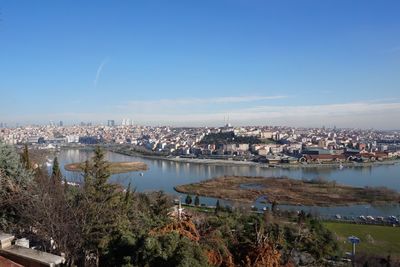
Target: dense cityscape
[(264, 144), (205, 133), (252, 146)]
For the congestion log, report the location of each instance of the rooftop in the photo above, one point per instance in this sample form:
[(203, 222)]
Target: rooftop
[(41, 257), (24, 255)]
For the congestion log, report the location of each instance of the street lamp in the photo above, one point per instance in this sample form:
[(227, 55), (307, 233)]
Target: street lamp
[(353, 240)]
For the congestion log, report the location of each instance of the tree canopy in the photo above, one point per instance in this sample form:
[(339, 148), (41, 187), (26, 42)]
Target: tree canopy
[(104, 224)]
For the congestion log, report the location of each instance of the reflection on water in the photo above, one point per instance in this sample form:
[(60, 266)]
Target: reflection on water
[(164, 175)]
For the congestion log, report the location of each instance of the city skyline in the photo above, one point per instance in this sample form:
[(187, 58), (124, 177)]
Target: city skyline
[(193, 64)]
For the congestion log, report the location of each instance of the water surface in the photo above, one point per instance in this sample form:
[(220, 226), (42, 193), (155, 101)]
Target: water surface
[(164, 175)]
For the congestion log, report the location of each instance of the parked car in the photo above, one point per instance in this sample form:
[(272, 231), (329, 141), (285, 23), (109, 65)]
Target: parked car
[(393, 219), (370, 218)]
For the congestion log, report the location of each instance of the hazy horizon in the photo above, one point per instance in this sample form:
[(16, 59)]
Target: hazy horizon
[(179, 63)]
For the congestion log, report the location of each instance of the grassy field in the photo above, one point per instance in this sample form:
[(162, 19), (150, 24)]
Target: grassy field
[(376, 240), (114, 167), (287, 191)]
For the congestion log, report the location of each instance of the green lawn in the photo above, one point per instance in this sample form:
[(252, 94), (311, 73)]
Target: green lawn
[(376, 240)]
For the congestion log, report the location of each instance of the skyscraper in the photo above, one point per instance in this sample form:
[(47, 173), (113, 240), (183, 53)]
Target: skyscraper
[(127, 122), (110, 123)]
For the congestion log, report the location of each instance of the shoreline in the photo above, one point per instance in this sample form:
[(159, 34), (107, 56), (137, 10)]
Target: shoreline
[(337, 165), (219, 162)]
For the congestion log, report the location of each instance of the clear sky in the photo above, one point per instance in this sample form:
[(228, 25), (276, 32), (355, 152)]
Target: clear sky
[(296, 63)]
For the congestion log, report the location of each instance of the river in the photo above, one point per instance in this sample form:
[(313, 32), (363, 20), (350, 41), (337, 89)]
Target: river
[(164, 175)]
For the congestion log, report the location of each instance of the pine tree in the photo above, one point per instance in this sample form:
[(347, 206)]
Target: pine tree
[(100, 171), (66, 186), (188, 200), (128, 195), (56, 176), (217, 207), (12, 167), (25, 158), (14, 178), (197, 201), (274, 207), (87, 177), (102, 204)]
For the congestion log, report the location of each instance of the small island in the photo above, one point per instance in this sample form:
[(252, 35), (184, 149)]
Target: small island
[(288, 191), (114, 167)]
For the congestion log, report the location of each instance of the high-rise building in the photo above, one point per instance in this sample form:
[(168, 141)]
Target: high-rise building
[(61, 124), (110, 123), (127, 122)]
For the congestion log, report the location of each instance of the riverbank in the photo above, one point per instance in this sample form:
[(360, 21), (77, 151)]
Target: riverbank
[(283, 166), (218, 162), (114, 167), (288, 191), (190, 160), (338, 165)]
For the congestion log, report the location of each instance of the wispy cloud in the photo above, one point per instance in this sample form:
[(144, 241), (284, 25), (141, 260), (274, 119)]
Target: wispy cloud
[(99, 70), (366, 114), (354, 114)]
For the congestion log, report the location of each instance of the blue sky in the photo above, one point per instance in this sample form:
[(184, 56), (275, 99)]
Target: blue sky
[(299, 63)]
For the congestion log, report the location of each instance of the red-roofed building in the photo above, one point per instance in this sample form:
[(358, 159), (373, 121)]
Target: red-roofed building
[(323, 158)]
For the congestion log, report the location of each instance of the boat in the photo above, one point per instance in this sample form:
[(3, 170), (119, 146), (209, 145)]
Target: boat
[(141, 174)]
